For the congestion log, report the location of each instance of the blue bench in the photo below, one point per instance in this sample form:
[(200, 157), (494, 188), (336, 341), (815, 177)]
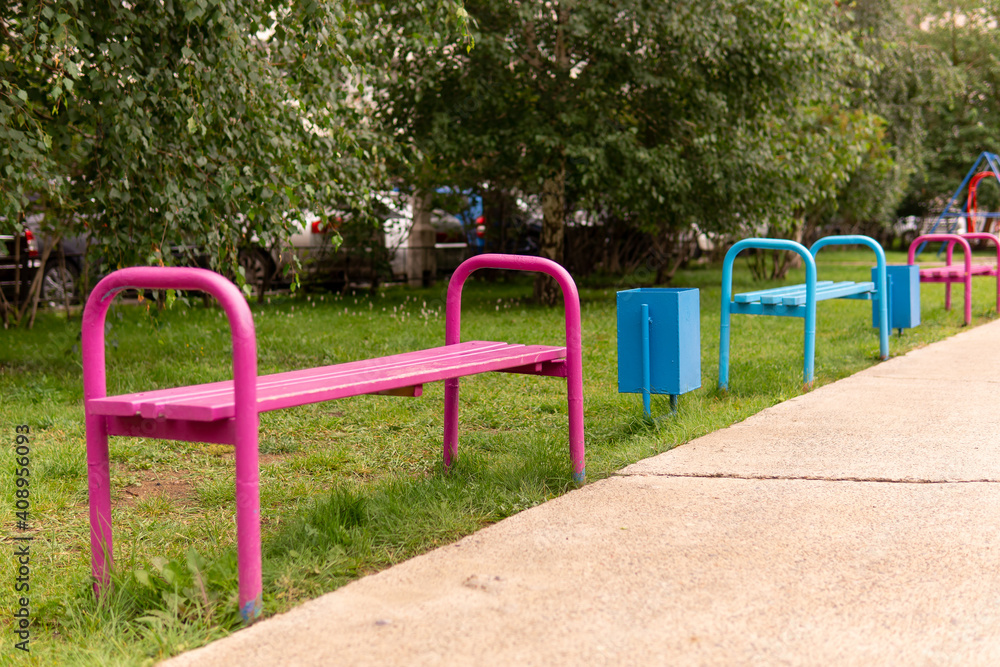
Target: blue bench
[(800, 300)]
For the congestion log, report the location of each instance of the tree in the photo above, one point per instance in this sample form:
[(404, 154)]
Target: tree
[(664, 112), (962, 122), (152, 125), (896, 79)]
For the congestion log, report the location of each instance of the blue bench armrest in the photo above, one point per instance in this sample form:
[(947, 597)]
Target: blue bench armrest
[(881, 282), (809, 313)]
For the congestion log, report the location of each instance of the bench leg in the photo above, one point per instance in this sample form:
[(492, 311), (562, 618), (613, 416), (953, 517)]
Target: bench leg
[(998, 288), (968, 299), (99, 490), (809, 347), (574, 399), (248, 556), (450, 421), (724, 348)]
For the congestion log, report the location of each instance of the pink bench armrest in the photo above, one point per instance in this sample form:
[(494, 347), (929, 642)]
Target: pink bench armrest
[(574, 345), (245, 426)]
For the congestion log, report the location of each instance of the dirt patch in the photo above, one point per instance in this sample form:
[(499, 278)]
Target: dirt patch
[(148, 483), (178, 487)]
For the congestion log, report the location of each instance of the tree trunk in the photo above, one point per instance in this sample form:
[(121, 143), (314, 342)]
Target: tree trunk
[(36, 285), (672, 257), (789, 259), (612, 256), (84, 286), (421, 264), (554, 187), (17, 266), (62, 277), (497, 214), (4, 306), (553, 238)]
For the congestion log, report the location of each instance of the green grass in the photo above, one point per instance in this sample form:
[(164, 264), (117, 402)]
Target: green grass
[(353, 486)]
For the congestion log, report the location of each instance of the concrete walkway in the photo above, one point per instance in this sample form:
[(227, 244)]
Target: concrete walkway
[(856, 525)]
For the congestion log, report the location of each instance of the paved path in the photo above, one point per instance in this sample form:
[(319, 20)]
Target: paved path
[(856, 525)]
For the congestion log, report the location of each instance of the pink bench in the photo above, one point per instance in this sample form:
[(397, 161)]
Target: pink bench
[(952, 273), (227, 412)]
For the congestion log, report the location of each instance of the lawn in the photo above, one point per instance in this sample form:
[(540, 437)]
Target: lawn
[(353, 486)]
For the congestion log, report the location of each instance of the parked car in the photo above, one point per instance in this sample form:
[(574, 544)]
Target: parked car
[(451, 247), (58, 278), (61, 275), (910, 227), (466, 206), (368, 253), (360, 257), (15, 284)]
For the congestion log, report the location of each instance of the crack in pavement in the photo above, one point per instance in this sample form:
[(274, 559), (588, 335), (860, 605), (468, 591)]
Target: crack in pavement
[(888, 480)]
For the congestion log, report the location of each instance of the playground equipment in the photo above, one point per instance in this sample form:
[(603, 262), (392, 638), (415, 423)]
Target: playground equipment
[(970, 211)]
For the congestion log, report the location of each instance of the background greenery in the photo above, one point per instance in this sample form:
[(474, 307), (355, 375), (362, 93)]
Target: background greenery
[(156, 124)]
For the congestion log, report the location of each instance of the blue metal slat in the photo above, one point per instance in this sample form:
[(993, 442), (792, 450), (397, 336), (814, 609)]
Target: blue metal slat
[(836, 291), (760, 309), (750, 297)]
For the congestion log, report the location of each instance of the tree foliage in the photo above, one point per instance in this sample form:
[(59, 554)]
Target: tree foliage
[(894, 79), (210, 122), (722, 112), (155, 124), (962, 122)]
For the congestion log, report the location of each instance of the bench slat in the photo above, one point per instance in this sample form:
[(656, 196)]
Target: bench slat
[(796, 295), (759, 309), (210, 393), (834, 291), (214, 401), (751, 297), (957, 271)]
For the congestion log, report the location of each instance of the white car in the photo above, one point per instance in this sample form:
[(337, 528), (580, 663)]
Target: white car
[(365, 254)]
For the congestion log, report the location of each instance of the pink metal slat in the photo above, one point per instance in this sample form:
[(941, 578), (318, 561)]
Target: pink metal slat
[(431, 369), (211, 402), (955, 272), (207, 395), (219, 432)]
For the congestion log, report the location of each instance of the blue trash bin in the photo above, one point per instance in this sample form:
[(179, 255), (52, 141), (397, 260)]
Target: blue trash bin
[(904, 296), (659, 342)]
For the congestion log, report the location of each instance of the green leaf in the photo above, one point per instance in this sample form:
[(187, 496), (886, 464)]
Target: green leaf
[(143, 578), (195, 562)]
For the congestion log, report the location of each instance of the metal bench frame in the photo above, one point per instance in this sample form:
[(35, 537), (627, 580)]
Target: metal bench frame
[(800, 300), (227, 412), (952, 273)]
